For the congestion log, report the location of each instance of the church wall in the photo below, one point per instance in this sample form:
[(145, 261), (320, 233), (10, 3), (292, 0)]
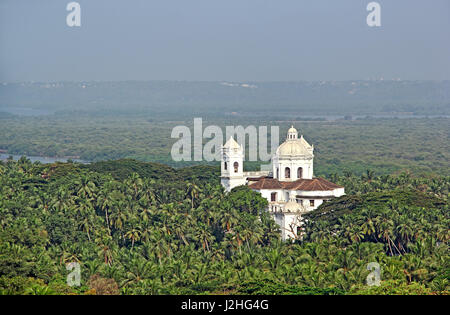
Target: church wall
[(284, 221), (266, 193), (279, 219), (294, 220), (230, 183), (293, 165), (231, 154), (317, 203), (335, 193)]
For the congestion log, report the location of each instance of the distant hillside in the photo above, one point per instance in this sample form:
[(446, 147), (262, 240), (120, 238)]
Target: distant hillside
[(178, 99), (121, 169)]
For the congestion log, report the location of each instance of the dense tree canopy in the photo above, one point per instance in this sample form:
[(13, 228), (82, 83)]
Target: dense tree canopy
[(149, 229), (386, 145)]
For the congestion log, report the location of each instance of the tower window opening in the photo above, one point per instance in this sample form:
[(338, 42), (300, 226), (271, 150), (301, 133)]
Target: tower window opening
[(287, 172), (273, 196), (236, 167), (300, 172), (225, 166), (311, 203)]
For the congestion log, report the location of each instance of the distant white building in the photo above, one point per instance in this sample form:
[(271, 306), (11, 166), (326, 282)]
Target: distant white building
[(290, 187)]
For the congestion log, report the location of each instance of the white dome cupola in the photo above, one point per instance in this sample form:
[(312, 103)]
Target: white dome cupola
[(292, 134), (293, 159)]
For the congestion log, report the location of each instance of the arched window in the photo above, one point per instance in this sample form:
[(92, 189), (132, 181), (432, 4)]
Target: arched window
[(300, 172), (236, 167), (287, 172), (273, 196), (225, 166)]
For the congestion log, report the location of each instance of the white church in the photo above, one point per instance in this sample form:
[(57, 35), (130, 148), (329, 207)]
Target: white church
[(290, 187)]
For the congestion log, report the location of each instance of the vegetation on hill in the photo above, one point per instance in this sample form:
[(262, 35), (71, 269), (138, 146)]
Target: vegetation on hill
[(121, 169), (392, 218), (138, 228), (386, 145)]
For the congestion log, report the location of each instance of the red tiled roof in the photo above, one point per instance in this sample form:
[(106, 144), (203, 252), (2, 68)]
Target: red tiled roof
[(267, 183), (315, 184)]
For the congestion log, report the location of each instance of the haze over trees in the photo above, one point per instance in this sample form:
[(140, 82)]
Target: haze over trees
[(352, 124), (178, 99)]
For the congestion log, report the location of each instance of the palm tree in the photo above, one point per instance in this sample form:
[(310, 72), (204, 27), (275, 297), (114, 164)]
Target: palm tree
[(138, 271), (274, 258), (134, 235), (105, 203), (192, 191), (204, 236)]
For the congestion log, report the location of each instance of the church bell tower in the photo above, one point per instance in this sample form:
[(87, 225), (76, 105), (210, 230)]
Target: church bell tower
[(232, 165)]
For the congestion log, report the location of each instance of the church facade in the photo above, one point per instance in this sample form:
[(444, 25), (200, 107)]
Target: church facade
[(290, 186)]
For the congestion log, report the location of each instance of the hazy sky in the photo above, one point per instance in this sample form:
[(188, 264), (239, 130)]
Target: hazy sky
[(233, 40)]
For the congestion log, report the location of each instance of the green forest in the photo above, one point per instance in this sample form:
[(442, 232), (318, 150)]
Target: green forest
[(146, 228), (137, 222), (224, 155), (388, 145)]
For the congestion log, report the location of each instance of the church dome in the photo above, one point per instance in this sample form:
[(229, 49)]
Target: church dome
[(293, 148), (292, 130)]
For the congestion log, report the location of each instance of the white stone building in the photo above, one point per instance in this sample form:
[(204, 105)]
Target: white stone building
[(290, 187)]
